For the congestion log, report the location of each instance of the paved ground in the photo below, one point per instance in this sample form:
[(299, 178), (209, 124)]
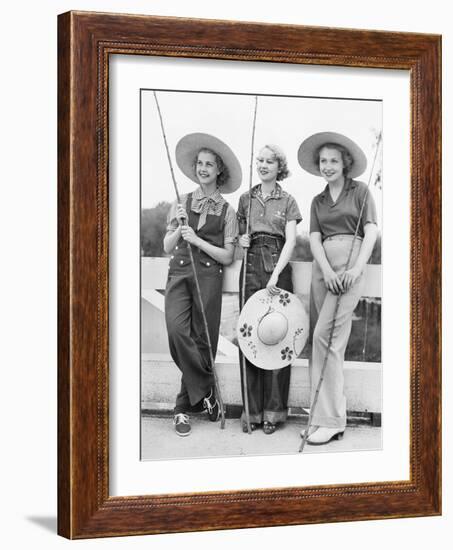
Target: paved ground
[(208, 440)]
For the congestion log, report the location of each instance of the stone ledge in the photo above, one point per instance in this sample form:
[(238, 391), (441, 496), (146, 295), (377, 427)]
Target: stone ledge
[(363, 383)]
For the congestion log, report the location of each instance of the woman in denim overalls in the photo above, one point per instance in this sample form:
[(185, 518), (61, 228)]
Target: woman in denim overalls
[(274, 215), (335, 215), (209, 225)]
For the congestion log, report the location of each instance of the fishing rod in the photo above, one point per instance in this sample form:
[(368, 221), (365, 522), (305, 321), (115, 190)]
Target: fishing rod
[(197, 283), (244, 273), (337, 304)]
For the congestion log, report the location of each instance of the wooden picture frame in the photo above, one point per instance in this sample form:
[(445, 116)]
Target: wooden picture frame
[(85, 41)]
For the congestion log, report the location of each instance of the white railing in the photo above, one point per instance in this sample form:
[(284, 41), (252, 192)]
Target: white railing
[(154, 278)]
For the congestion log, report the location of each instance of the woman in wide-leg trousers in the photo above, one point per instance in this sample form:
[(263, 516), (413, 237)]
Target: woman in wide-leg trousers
[(331, 405), (343, 231)]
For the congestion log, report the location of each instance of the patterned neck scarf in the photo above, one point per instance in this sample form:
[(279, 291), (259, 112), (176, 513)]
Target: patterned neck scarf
[(204, 205)]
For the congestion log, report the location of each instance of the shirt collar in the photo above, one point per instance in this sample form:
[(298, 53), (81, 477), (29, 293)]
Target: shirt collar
[(276, 193), (349, 184)]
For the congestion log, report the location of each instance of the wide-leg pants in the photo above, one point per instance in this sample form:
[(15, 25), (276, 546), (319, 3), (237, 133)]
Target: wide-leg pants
[(186, 334), (331, 405), (267, 390)]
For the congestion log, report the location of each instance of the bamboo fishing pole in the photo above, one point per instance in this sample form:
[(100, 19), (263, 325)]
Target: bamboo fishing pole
[(197, 283), (337, 305), (244, 273)]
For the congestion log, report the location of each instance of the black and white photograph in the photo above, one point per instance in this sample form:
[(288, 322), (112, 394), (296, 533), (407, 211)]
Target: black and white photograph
[(260, 239), (283, 385)]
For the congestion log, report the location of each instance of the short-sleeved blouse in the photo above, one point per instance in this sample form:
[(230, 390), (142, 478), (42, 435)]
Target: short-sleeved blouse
[(340, 217), (268, 214)]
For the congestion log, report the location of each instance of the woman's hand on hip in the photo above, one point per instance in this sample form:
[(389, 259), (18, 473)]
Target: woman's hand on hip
[(244, 240), (271, 286), (333, 281), (188, 234), (349, 277)]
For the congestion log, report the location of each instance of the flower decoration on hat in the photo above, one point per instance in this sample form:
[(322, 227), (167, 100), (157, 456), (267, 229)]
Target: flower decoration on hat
[(272, 329), (284, 298), (246, 330), (287, 354)]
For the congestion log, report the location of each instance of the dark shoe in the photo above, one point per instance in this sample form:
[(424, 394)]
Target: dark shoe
[(269, 428), (212, 406), (182, 424), (253, 426)]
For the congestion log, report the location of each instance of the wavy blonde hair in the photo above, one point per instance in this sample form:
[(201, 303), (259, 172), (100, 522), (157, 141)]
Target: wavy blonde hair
[(280, 157)]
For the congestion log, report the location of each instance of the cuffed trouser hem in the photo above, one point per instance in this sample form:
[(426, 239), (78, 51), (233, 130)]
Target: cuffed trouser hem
[(198, 394), (184, 405), (275, 416), (255, 418), (329, 422)]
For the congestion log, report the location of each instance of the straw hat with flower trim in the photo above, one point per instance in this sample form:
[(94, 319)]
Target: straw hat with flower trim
[(272, 330)]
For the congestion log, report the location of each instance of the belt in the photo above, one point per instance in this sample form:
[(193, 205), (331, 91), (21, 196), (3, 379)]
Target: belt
[(267, 244), (343, 237), (265, 239)]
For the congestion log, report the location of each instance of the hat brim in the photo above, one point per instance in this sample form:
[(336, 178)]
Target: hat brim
[(188, 148), (277, 356), (308, 148)]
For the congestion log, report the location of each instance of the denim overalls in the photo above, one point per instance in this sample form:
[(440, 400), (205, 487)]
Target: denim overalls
[(186, 335)]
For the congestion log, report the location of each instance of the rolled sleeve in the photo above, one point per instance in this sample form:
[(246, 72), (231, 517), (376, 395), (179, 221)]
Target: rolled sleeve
[(293, 212), (230, 232), (314, 222), (172, 222), (369, 211), (241, 215)]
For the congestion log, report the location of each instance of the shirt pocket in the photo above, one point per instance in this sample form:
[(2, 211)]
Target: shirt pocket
[(251, 260), (178, 261), (275, 257), (279, 215)]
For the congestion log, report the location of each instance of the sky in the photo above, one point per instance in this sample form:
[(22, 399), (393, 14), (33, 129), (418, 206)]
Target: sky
[(281, 120)]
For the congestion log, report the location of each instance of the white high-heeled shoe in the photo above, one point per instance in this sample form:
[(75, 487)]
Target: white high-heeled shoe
[(323, 435), (312, 430)]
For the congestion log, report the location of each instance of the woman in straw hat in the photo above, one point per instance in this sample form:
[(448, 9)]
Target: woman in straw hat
[(335, 214), (206, 221), (272, 235)]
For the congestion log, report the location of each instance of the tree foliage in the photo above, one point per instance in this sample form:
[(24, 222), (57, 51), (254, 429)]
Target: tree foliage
[(153, 229), (302, 252)]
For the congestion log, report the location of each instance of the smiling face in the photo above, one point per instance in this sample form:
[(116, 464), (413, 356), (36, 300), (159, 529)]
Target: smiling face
[(267, 165), (206, 168), (331, 164)]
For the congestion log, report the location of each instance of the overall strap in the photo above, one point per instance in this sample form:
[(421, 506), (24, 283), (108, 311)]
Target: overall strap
[(222, 221), (189, 210), (189, 202)]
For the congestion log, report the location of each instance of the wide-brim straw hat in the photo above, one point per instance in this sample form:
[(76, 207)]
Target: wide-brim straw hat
[(309, 147), (187, 149), (272, 330)]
